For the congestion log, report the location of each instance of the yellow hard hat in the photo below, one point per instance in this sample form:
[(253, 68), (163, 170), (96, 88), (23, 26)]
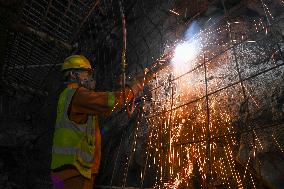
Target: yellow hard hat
[(76, 62)]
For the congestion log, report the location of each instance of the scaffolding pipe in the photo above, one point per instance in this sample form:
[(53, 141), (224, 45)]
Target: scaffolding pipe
[(24, 88), (33, 66), (84, 20), (43, 36)]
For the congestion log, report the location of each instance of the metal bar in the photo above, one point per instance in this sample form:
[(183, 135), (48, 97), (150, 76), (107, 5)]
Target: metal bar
[(230, 12), (234, 53), (20, 76), (232, 134), (48, 27), (155, 26), (64, 15), (34, 10), (132, 149), (60, 3), (39, 27), (142, 39), (10, 3), (228, 86), (170, 121), (29, 19), (21, 50), (15, 49), (26, 88), (116, 159), (257, 175), (35, 66), (28, 30), (24, 48), (147, 155), (208, 147), (23, 59), (74, 15), (51, 68), (200, 65), (19, 60), (67, 26), (40, 4), (85, 19)]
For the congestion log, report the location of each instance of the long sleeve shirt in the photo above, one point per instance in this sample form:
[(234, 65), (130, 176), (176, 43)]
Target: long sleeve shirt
[(86, 102)]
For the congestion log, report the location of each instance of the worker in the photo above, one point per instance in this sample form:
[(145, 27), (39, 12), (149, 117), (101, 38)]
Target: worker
[(76, 150)]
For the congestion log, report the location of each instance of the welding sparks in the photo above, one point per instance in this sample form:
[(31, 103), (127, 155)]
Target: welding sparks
[(172, 11), (184, 132), (251, 41)]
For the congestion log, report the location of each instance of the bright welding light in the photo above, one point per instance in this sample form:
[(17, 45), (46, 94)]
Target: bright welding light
[(185, 52), (184, 55)]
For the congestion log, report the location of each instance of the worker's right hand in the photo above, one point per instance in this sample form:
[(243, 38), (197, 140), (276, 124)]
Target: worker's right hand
[(137, 86), (139, 82)]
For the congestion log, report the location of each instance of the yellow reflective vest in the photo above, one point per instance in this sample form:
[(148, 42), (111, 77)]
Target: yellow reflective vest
[(73, 144)]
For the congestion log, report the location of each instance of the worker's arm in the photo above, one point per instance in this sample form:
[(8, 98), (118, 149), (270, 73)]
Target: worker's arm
[(100, 103)]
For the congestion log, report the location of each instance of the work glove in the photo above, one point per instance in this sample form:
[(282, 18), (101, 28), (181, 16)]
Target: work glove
[(139, 82), (137, 85)]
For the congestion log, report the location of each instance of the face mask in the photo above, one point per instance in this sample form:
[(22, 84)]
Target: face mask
[(88, 83), (85, 79)]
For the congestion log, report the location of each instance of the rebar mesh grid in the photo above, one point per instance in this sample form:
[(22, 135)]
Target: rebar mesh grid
[(32, 51), (206, 112), (212, 118), (46, 29)]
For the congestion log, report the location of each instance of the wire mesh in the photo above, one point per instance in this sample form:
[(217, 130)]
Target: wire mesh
[(57, 19), (200, 132)]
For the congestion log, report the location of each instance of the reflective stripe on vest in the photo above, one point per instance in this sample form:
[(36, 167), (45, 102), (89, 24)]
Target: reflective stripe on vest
[(70, 126), (111, 99), (71, 150), (73, 144)]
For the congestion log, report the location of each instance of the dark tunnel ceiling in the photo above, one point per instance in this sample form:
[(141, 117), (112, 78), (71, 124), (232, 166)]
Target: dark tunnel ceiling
[(43, 32)]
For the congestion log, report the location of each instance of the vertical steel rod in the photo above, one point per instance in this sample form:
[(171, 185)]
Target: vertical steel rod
[(209, 175)]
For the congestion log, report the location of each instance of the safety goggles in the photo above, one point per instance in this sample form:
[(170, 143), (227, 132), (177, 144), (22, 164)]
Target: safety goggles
[(91, 72)]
